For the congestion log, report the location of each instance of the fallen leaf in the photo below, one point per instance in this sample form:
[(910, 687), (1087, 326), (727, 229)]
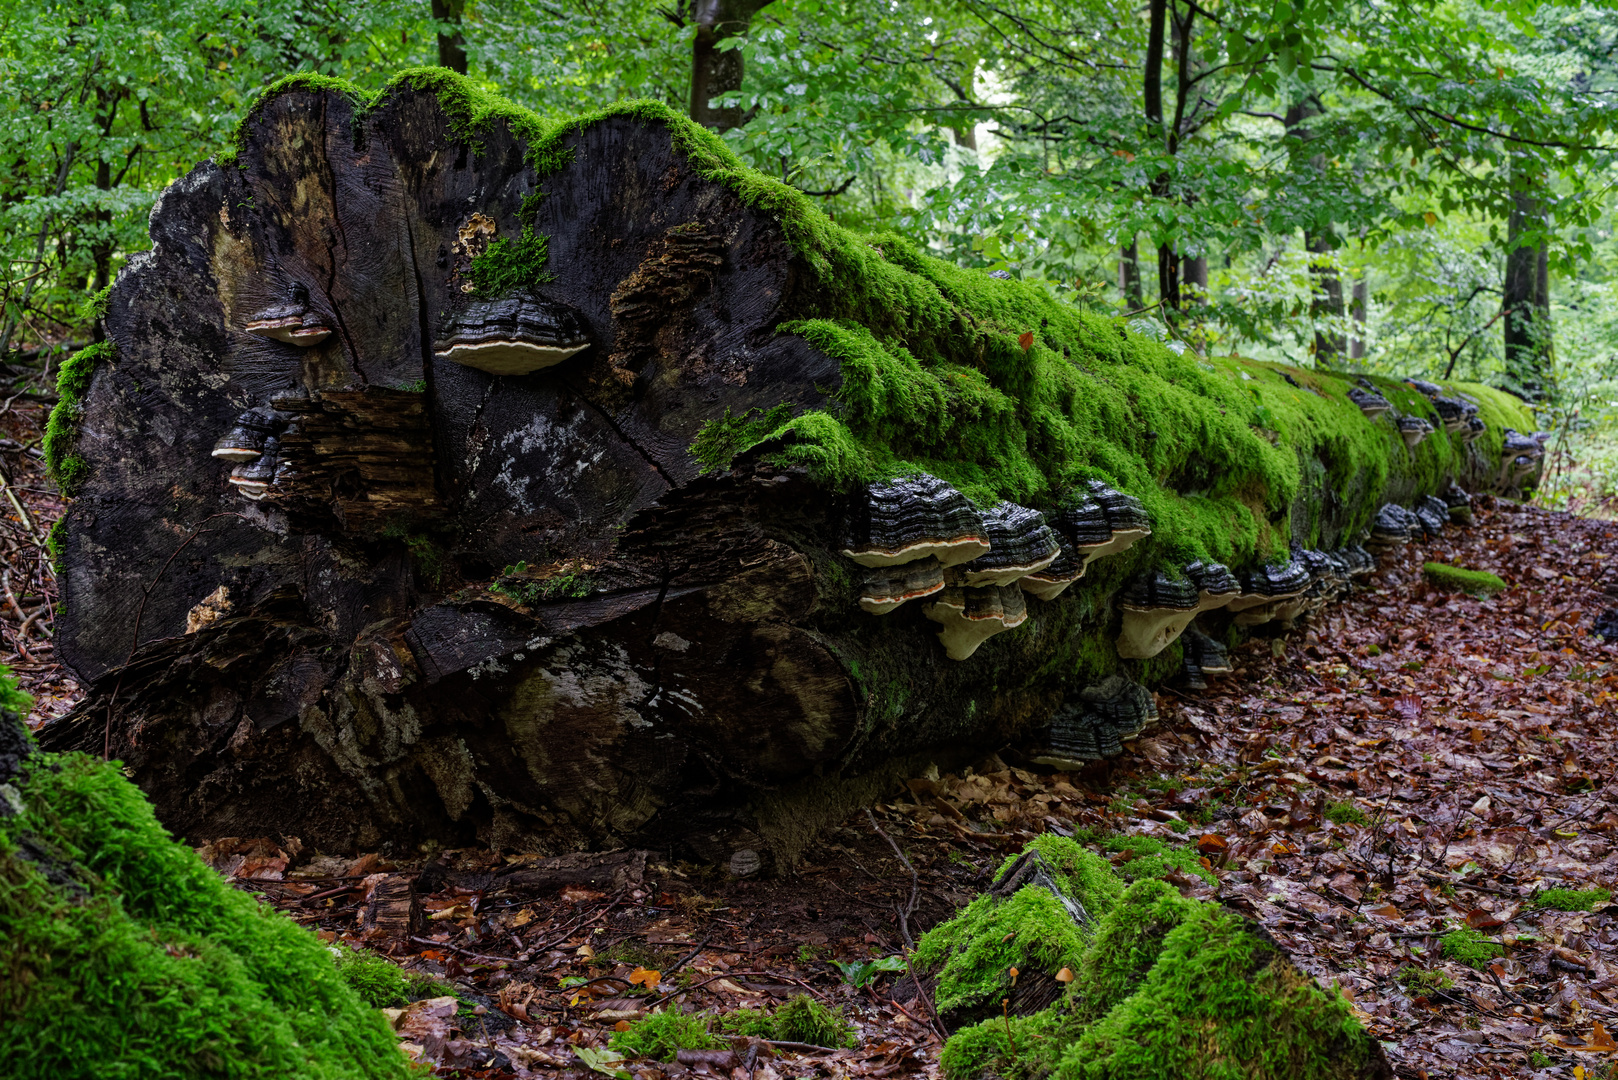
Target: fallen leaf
[(1026, 340), (644, 977)]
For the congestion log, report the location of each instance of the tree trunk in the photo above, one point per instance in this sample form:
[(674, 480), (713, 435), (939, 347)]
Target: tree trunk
[(452, 45), (1527, 299), (1357, 311), (388, 525), (1129, 288), (1194, 272), (1327, 299), (715, 72)]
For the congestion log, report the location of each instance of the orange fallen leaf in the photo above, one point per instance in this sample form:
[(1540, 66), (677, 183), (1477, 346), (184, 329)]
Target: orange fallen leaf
[(1212, 844), (1479, 919), (1388, 911), (1026, 340), (645, 977), (622, 1025), (1600, 1040)]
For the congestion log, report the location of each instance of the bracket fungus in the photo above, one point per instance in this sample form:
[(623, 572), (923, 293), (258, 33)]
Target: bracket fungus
[(1356, 560), (1455, 413), (1424, 388), (1458, 503), (969, 617), (1394, 525), (1157, 609), (1062, 571), (247, 437), (887, 588), (1104, 522), (1475, 427), (1202, 656), (1020, 542), (1096, 726), (1414, 429), (1371, 403), (252, 479), (291, 322), (914, 517), (1433, 513), (512, 335), (1216, 585), (1265, 589)]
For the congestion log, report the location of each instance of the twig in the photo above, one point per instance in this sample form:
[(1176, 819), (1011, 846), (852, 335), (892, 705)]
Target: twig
[(464, 952), (915, 882)]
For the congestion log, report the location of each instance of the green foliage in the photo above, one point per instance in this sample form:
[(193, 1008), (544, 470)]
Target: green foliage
[(720, 440), (380, 984), (1417, 980), (1346, 813), (1470, 947), (13, 698), (506, 265), (799, 1019), (1152, 858), (975, 951), (662, 1034), (1455, 579), (73, 379), (1572, 899), (858, 973), (514, 584), (125, 950)]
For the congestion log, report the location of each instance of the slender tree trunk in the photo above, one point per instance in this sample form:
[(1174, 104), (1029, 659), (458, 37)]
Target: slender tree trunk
[(451, 46), (715, 72), (1527, 298), (1356, 344), (1327, 301), (1129, 290), (1194, 272)]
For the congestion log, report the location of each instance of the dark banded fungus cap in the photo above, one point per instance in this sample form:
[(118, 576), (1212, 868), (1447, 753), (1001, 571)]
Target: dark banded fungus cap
[(1207, 654), (1514, 442), (1156, 609), (1425, 388), (887, 588), (968, 617), (914, 517), (1104, 522), (1127, 706), (1454, 412), (1064, 570), (1414, 429), (1433, 514), (1020, 542), (291, 322), (254, 478), (1458, 503), (1358, 561), (1475, 426), (246, 437), (511, 335), (1394, 525), (1371, 403), (1216, 585)]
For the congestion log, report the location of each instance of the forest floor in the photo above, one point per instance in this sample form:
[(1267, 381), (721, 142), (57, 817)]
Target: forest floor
[(1415, 763)]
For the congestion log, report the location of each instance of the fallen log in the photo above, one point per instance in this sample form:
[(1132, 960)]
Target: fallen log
[(448, 475)]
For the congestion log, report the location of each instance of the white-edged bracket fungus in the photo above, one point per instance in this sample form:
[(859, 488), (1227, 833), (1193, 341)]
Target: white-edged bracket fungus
[(1371, 403), (1020, 542), (887, 588), (1096, 726), (914, 517), (1266, 589), (1216, 585), (969, 617), (511, 335), (1104, 522), (1414, 429), (1356, 559), (1393, 526), (1157, 608), (291, 322), (1455, 413), (1424, 388), (246, 438), (1064, 570), (253, 478)]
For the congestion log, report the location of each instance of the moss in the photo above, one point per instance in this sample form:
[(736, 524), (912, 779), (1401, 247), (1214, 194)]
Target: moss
[(1572, 899), (55, 543), (123, 949), (801, 1019), (975, 951), (73, 380), (380, 984), (1170, 986), (515, 584), (506, 264), (1082, 874), (1345, 813), (94, 306), (660, 1035), (1470, 947), (1152, 858), (1421, 981), (1455, 579), (721, 439)]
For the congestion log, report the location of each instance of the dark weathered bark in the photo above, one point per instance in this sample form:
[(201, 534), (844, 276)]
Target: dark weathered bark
[(714, 71), (1194, 272), (451, 44), (1357, 311), (1129, 288), (1327, 300), (1527, 300), (329, 660)]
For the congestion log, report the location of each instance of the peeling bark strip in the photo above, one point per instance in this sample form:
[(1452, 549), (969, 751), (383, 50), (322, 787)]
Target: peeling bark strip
[(423, 416)]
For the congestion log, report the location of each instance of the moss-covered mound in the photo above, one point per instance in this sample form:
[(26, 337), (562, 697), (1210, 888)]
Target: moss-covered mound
[(123, 955), (1162, 985), (1006, 391), (1455, 579)]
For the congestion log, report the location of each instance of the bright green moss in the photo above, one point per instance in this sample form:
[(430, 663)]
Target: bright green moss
[(94, 306), (976, 950), (720, 440), (380, 984), (1082, 874), (506, 264), (660, 1035), (1455, 579), (1152, 858), (800, 1019), (1470, 947), (137, 960), (55, 543), (1346, 813), (1572, 899), (73, 379)]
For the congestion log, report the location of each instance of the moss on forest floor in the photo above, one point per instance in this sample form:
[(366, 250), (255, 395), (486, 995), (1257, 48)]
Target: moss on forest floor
[(124, 952), (1161, 985), (1457, 579)]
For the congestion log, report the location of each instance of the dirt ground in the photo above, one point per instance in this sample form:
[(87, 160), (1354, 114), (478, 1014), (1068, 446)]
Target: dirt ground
[(1413, 763)]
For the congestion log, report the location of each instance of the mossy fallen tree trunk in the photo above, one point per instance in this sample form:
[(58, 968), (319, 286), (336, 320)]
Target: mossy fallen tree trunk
[(451, 474), (1066, 970), (123, 954)]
